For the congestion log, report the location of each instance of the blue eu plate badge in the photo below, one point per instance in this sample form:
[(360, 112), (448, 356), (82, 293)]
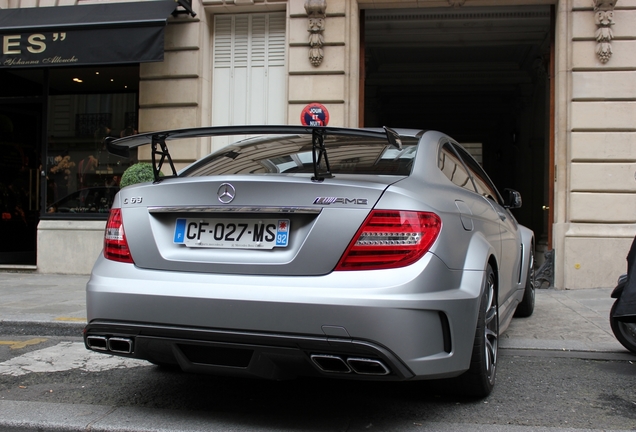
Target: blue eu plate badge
[(282, 234)]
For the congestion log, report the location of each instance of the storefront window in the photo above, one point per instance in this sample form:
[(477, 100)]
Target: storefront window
[(82, 177)]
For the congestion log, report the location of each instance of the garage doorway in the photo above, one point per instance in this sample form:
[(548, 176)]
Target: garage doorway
[(479, 74)]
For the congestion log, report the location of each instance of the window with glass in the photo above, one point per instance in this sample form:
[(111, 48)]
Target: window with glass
[(82, 177), (292, 154), (453, 168), (485, 187)]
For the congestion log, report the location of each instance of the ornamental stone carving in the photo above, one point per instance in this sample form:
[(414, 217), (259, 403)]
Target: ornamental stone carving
[(317, 16), (604, 18)]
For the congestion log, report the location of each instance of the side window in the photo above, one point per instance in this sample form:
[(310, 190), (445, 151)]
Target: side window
[(453, 168), (484, 186)]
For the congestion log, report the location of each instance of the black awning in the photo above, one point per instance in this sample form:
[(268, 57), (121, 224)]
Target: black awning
[(104, 33)]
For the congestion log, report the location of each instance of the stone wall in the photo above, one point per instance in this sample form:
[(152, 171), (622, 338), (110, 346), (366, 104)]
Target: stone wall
[(327, 83), (69, 247), (598, 204), (176, 93)]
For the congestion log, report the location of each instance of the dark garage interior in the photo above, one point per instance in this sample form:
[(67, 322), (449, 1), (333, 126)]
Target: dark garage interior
[(479, 74)]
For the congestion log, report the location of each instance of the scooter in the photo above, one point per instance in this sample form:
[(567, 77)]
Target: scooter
[(623, 312), (624, 331)]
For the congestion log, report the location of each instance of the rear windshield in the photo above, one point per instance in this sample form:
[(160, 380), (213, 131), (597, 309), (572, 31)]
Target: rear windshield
[(293, 154)]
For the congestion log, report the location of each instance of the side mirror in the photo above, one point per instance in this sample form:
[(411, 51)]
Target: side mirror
[(512, 199)]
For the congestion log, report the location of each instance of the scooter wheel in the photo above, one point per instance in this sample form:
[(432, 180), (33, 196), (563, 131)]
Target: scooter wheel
[(624, 332)]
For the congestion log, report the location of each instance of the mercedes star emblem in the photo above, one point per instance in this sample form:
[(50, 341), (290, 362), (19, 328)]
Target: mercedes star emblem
[(226, 193)]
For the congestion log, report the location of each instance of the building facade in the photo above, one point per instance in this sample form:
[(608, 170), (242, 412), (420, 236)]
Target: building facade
[(542, 92)]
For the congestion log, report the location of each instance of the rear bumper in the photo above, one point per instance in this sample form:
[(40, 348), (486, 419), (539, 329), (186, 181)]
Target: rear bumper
[(387, 324)]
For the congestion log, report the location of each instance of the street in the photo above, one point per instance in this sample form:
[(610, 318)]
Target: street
[(72, 387)]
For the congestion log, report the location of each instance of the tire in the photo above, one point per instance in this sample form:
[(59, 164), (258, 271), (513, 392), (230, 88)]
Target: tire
[(526, 307), (624, 332), (479, 379)]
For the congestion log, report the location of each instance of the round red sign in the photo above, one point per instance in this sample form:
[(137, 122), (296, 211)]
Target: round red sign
[(314, 114)]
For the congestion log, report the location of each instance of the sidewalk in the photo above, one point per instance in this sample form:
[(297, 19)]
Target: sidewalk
[(42, 304), (571, 320)]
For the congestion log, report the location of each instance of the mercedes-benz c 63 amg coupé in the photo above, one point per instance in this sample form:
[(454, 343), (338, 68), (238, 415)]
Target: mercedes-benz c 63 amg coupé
[(317, 251)]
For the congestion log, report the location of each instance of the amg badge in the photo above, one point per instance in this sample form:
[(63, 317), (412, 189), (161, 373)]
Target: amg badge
[(340, 200)]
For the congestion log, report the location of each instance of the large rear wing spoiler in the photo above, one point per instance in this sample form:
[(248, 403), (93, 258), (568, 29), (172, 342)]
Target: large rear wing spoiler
[(161, 155)]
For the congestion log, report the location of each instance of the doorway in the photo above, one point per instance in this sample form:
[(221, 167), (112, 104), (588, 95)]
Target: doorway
[(20, 125), (479, 74), (21, 107)]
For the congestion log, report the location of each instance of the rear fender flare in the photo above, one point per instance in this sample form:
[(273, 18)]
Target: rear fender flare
[(479, 254)]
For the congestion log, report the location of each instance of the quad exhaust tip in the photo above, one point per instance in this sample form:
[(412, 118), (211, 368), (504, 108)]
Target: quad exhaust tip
[(97, 343), (330, 363), (361, 366), (114, 344), (120, 345), (364, 366)]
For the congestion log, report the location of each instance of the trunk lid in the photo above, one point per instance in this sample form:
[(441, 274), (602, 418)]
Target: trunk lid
[(225, 224)]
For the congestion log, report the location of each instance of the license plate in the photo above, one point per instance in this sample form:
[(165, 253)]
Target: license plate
[(234, 234)]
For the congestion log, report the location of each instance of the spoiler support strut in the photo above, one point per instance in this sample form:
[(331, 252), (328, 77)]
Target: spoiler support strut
[(164, 153), (318, 152)]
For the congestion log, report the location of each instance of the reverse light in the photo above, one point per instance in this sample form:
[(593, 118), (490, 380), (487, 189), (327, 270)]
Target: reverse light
[(391, 239), (115, 244)]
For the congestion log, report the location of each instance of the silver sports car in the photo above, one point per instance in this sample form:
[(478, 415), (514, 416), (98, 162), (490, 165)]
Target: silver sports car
[(319, 251)]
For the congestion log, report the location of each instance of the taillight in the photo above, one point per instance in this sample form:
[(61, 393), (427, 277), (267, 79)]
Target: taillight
[(115, 244), (391, 239)]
